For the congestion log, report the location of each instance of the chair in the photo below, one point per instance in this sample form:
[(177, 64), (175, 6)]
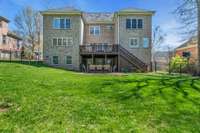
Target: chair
[(99, 67), (92, 68), (107, 68)]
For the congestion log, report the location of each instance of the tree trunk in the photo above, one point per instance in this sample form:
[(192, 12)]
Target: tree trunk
[(198, 36)]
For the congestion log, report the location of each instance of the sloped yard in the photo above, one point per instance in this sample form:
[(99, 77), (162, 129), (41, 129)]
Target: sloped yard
[(42, 99)]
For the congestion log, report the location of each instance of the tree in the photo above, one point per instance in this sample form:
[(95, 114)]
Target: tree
[(189, 13), (28, 23), (158, 39)]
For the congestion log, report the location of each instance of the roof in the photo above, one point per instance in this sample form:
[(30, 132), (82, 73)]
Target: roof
[(13, 35), (98, 17), (63, 10), (4, 19), (135, 11), (190, 42)]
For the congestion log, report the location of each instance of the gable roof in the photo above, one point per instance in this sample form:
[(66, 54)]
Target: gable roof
[(4, 19), (13, 35), (98, 17), (190, 42), (132, 10), (63, 10)]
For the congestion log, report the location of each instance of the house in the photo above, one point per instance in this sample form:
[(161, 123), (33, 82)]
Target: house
[(9, 41), (188, 50), (76, 40)]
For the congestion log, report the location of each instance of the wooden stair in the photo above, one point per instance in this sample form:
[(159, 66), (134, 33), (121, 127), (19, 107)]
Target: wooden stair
[(125, 54)]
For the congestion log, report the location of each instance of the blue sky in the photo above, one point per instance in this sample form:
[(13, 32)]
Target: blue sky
[(163, 8)]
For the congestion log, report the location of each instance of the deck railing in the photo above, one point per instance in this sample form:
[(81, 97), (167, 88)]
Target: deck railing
[(99, 48)]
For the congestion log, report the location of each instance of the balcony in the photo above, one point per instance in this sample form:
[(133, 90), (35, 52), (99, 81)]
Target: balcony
[(99, 49)]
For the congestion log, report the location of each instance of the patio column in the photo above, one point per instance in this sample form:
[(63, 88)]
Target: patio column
[(92, 59), (105, 59)]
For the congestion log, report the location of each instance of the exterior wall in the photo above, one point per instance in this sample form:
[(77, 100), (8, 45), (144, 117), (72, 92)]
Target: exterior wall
[(124, 34), (106, 35), (192, 49), (49, 33)]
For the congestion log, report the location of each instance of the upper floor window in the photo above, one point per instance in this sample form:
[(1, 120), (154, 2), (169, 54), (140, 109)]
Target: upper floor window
[(95, 30), (133, 43), (61, 23), (134, 23)]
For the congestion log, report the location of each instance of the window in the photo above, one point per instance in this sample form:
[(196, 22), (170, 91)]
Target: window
[(95, 30), (56, 23), (145, 42), (133, 43), (64, 42), (59, 41), (67, 24), (140, 23), (70, 41), (186, 54), (0, 24), (55, 60), (55, 42), (128, 23), (61, 23), (134, 23), (68, 60), (4, 39)]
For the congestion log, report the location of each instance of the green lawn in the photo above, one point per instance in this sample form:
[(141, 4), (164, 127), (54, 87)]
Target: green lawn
[(42, 99)]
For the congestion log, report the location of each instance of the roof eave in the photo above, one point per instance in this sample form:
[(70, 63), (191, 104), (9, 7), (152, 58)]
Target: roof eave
[(151, 13), (59, 13)]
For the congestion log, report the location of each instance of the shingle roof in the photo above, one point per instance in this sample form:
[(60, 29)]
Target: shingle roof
[(98, 17), (191, 41), (4, 19), (13, 35), (61, 10)]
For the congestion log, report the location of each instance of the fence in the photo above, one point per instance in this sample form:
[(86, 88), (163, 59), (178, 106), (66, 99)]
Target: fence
[(18, 56)]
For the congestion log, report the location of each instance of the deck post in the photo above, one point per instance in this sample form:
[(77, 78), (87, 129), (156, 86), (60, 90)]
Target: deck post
[(118, 57)]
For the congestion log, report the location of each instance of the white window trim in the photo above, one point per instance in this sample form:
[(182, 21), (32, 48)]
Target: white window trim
[(136, 24), (66, 60), (53, 62), (65, 22), (129, 43), (67, 40), (94, 30)]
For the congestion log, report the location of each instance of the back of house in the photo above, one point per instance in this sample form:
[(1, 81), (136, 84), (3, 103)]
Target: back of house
[(98, 41)]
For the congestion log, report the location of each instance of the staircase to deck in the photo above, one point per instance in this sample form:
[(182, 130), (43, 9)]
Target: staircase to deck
[(132, 59)]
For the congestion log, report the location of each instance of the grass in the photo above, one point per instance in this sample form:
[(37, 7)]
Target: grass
[(42, 99)]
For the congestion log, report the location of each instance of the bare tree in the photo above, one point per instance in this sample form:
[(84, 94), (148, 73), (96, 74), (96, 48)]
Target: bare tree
[(158, 39), (28, 23), (189, 13)]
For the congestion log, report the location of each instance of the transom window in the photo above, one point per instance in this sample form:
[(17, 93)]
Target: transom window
[(134, 23), (61, 23), (133, 43), (69, 60), (68, 41), (95, 30)]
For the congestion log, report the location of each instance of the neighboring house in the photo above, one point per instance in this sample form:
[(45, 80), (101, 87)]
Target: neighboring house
[(9, 41), (162, 59), (188, 49), (97, 41)]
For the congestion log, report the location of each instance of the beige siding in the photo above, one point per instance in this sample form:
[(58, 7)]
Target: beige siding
[(143, 54), (49, 33), (106, 35)]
